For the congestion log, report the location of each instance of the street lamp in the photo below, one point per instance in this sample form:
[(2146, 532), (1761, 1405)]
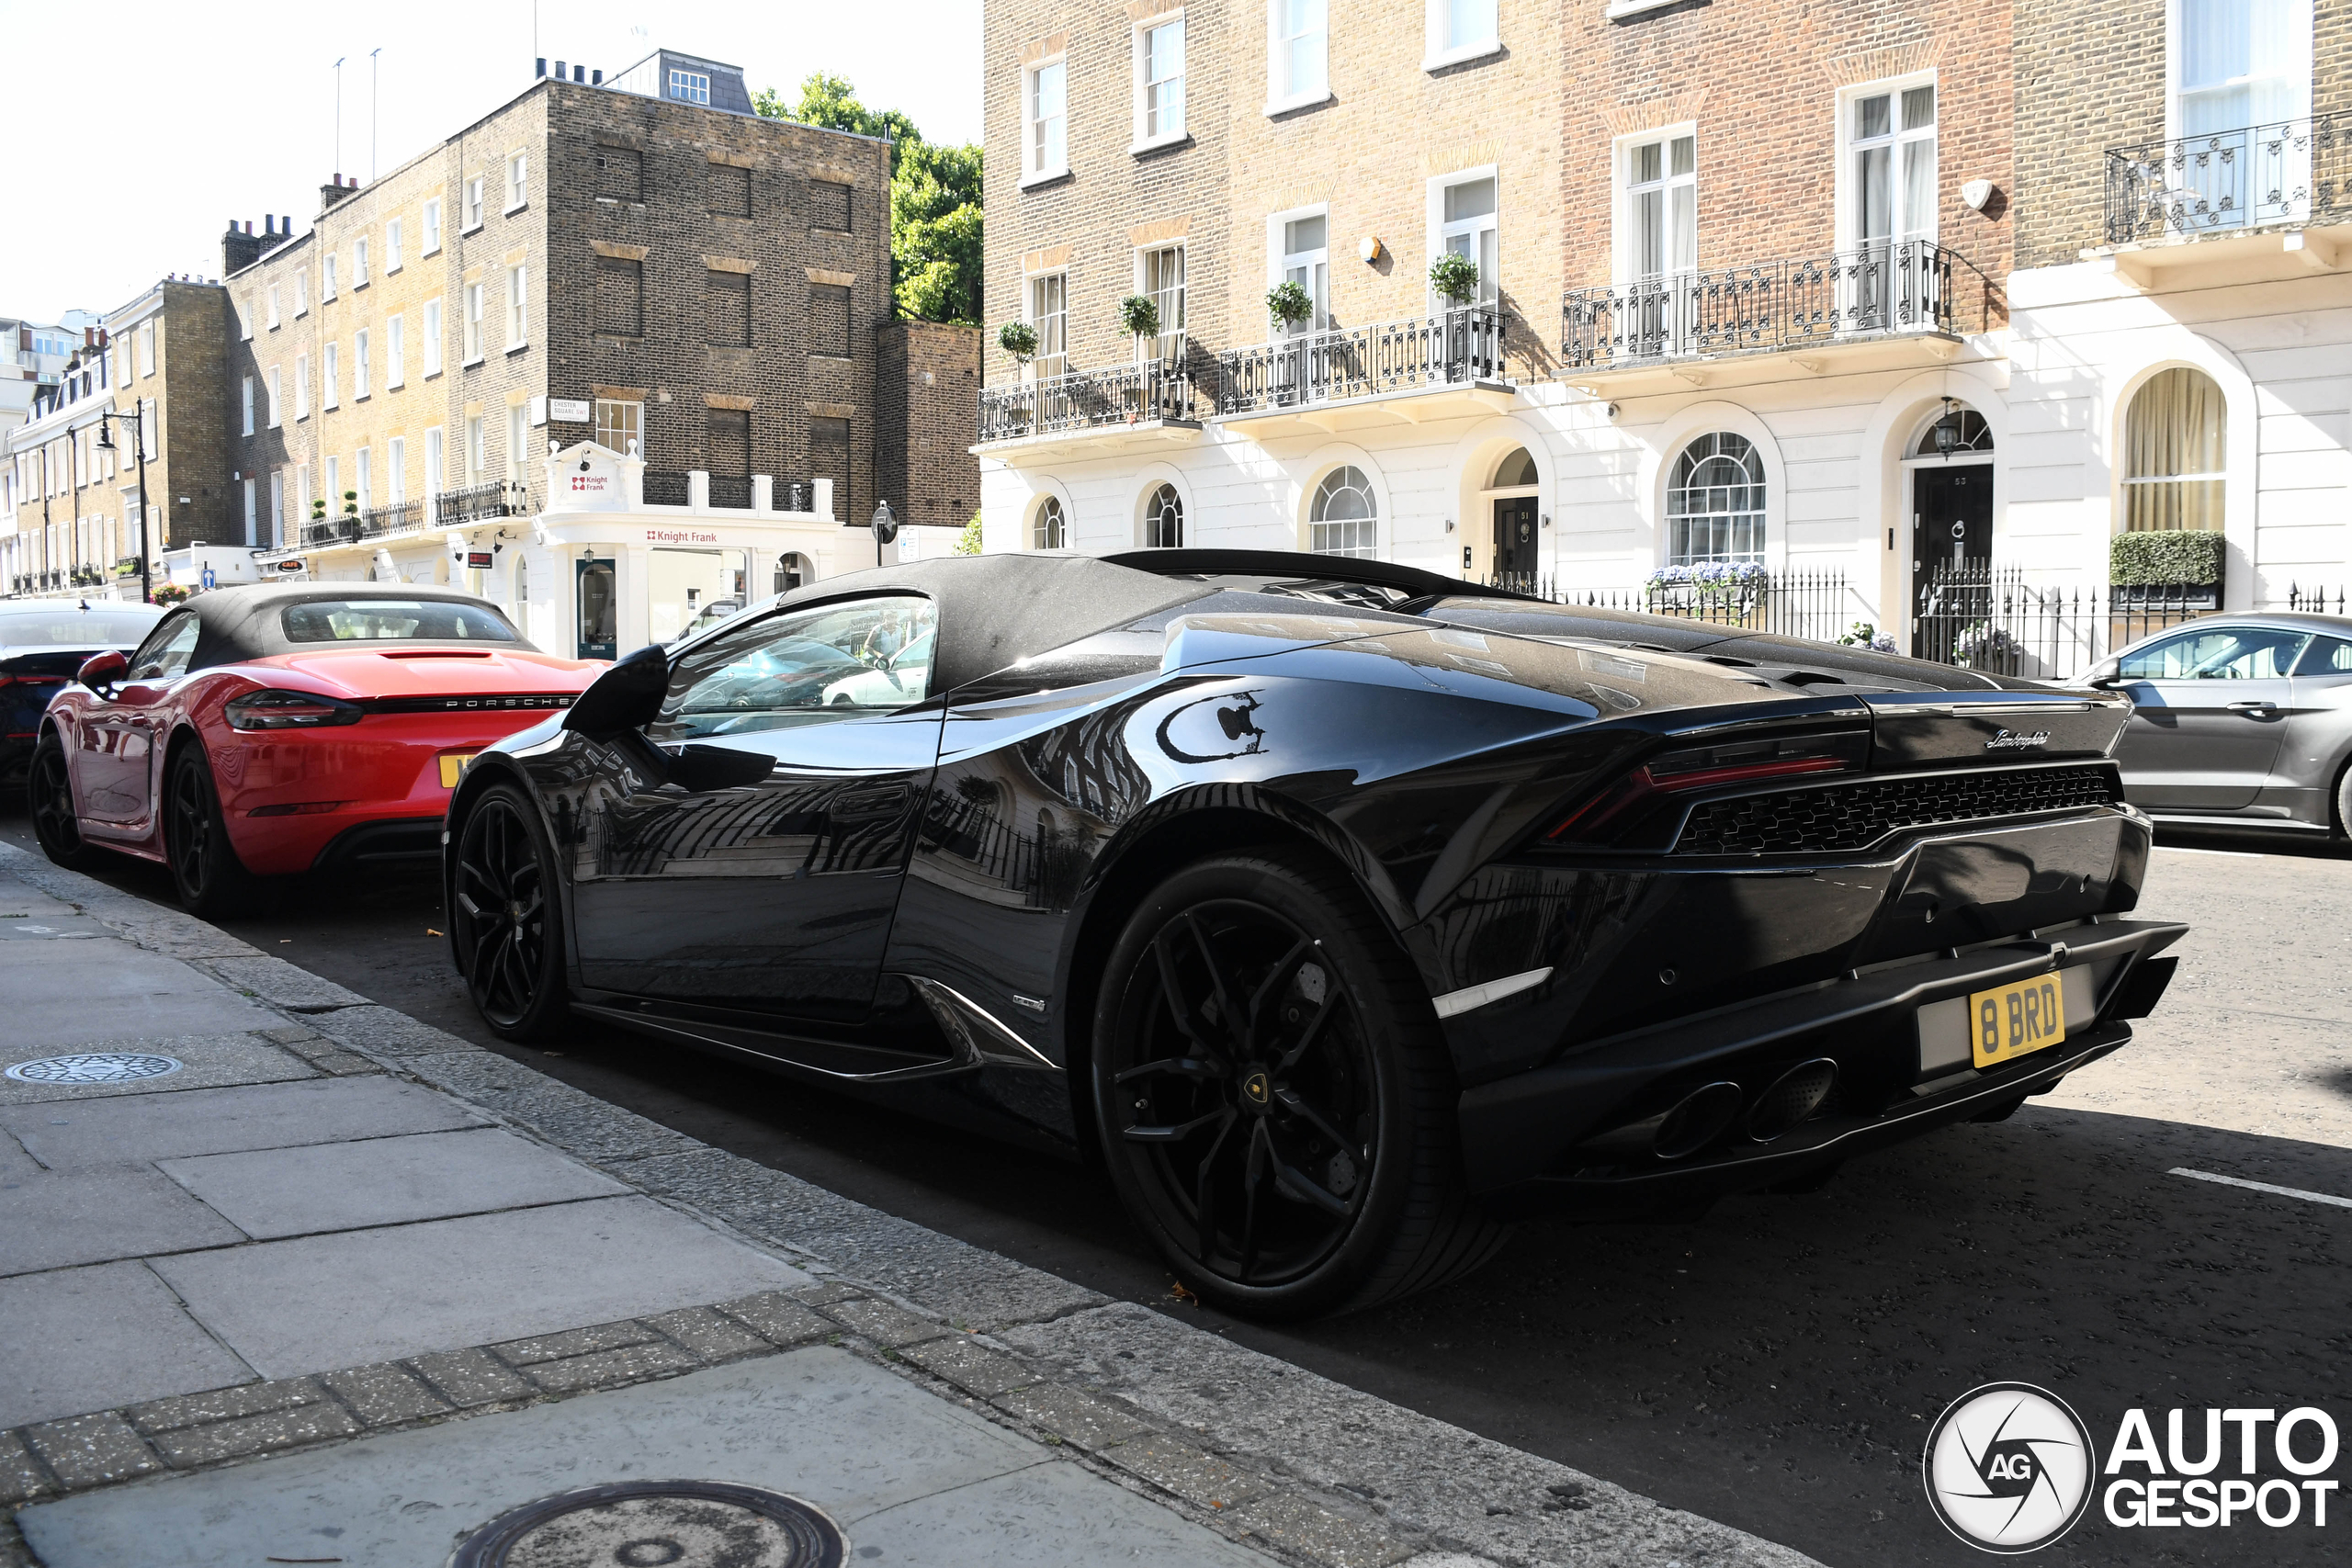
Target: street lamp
[(106, 443)]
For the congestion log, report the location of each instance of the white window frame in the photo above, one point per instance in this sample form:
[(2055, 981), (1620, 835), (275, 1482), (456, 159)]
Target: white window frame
[(518, 301), (518, 176), (330, 365), (1625, 249), (395, 470), (363, 478), (436, 472), (1440, 54), (301, 387), (301, 495), (245, 321), (146, 349), (393, 227), (1147, 136), (477, 447), (1439, 230), (432, 335), (1282, 96), (1029, 313), (2298, 72), (360, 261), (1171, 338), (689, 86), (277, 507), (246, 393), (1033, 170), (612, 415), (476, 196), (1278, 259), (474, 306), (361, 367), (273, 306), (270, 398), (395, 352), (1891, 87), (301, 292), (326, 278), (252, 512), (431, 235), (331, 472), (518, 442)]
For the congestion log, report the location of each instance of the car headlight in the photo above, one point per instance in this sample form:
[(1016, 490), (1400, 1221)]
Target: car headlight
[(290, 710)]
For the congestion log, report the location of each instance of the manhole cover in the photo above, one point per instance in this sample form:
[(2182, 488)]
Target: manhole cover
[(94, 1066), (656, 1524)]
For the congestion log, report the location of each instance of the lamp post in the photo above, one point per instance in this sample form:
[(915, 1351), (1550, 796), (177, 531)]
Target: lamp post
[(106, 443)]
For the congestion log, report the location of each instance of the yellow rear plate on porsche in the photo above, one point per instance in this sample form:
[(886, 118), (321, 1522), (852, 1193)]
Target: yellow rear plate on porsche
[(2010, 1020), (452, 765)]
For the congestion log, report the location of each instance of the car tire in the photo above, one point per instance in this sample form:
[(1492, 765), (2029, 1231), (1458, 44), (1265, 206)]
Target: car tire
[(48, 785), (2343, 802), (1295, 1154), (506, 919), (212, 881)]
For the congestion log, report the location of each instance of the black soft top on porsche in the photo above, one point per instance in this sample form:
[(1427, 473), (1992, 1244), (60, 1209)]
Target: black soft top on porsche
[(247, 622)]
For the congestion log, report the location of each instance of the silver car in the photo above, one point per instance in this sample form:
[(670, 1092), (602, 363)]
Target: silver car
[(2239, 719)]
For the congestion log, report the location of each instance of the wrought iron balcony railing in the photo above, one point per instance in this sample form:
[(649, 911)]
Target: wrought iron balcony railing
[(1081, 399), (393, 518), (1909, 286), (2291, 172), (1452, 347), (477, 502), (331, 530)]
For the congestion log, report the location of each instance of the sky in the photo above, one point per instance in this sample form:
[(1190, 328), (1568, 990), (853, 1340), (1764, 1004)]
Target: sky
[(138, 129)]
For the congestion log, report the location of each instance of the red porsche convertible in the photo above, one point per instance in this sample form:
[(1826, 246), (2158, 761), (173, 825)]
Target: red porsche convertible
[(288, 728)]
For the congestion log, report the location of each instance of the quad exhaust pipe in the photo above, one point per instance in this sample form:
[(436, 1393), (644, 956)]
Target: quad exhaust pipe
[(1699, 1118)]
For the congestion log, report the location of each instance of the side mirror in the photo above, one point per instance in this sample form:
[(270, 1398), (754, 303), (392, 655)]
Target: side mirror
[(102, 670), (2104, 675), (626, 696)]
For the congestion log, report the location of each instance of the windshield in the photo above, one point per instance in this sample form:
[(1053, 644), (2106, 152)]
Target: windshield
[(816, 666), (56, 627), (395, 620)]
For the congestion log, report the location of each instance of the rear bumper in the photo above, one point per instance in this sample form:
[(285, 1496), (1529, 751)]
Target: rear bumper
[(1538, 1142)]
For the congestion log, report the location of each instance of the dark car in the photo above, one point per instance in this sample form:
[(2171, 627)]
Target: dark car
[(42, 643), (2240, 720), (1342, 911)]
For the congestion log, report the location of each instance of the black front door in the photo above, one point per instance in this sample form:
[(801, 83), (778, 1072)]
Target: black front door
[(759, 867), (1951, 521), (1515, 543)]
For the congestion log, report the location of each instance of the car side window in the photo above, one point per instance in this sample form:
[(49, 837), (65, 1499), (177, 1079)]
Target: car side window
[(164, 655), (2220, 653), (812, 666), (2327, 656)]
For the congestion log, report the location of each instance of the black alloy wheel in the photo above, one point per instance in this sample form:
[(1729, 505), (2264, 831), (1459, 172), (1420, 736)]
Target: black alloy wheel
[(210, 879), (50, 790), (1274, 1099), (503, 920)]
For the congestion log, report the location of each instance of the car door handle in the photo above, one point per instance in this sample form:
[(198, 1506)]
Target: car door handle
[(2254, 707)]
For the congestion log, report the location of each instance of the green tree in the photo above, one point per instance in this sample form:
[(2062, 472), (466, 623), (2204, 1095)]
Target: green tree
[(934, 198)]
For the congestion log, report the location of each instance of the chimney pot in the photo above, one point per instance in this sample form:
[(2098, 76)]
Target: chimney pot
[(580, 72), (596, 78), (542, 66), (559, 70)]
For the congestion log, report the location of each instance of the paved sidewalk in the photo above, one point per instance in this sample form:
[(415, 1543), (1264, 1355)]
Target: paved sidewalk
[(329, 1285)]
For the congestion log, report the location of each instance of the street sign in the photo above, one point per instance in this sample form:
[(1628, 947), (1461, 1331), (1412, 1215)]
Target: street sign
[(567, 410)]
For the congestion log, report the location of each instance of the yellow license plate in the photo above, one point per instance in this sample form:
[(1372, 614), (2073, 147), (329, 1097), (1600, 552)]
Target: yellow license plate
[(452, 766), (2010, 1020)]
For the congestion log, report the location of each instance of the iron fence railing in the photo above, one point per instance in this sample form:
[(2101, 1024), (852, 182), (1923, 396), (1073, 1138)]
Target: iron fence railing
[(392, 518), (665, 487), (476, 501), (1451, 348), (794, 495), (1986, 616), (331, 530), (1911, 286), (1816, 604), (1156, 390), (2289, 172)]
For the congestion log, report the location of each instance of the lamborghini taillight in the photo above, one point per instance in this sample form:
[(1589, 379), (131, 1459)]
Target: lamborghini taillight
[(1639, 810)]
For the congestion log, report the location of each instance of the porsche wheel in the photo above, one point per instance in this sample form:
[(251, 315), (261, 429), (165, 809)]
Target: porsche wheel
[(504, 922), (212, 881), (51, 790), (1276, 1103)]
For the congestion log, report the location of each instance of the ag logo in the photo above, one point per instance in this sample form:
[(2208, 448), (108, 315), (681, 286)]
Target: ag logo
[(2008, 1468)]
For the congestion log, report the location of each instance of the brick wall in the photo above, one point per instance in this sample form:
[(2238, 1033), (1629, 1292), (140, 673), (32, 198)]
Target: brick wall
[(928, 373), (195, 405), (2091, 75), (1762, 84)]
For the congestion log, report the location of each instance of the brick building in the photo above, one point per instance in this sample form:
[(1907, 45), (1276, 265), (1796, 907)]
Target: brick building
[(1746, 281), (928, 373), (642, 264), (71, 502)]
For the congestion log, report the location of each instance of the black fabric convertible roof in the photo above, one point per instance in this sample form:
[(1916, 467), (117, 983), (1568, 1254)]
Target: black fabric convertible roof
[(243, 622), (995, 611)]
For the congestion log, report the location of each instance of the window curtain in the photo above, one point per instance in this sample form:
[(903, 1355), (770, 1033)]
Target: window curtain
[(2242, 63), (2175, 432)]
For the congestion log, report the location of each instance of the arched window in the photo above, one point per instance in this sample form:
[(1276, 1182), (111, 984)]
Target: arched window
[(1715, 502), (1343, 519), (1969, 434), (1047, 531), (1163, 520), (1516, 468), (2174, 439), (791, 572)]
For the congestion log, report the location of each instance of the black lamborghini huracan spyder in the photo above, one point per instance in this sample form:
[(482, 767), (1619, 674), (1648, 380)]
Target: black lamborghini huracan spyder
[(1346, 911)]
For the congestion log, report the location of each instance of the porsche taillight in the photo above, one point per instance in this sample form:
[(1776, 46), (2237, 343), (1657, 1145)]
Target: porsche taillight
[(273, 709), (1638, 811)]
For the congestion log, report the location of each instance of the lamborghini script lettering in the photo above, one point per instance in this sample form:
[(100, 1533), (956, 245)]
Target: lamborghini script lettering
[(2018, 741)]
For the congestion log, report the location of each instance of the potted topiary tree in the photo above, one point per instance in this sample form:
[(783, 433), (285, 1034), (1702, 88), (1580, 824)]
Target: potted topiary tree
[(1140, 315), (1018, 339), (2180, 568), (1287, 305), (1453, 278)]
